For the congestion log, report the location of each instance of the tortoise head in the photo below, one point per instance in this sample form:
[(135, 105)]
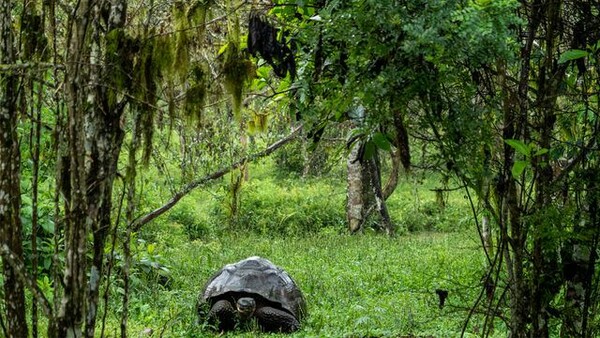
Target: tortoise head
[(245, 307)]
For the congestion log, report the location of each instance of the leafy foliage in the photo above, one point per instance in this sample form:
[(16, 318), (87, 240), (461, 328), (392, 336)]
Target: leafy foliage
[(273, 208)]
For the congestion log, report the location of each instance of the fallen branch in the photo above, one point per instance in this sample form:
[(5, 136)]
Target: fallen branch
[(140, 221)]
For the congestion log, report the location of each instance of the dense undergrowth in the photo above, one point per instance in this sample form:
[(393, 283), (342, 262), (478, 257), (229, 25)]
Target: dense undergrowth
[(355, 285)]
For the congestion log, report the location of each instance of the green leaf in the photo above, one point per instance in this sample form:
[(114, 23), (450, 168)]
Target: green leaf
[(518, 168), (369, 151), (263, 72), (519, 146), (572, 54), (382, 141), (223, 49), (48, 226), (541, 151)]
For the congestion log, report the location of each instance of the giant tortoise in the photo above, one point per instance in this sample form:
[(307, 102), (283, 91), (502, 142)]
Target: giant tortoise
[(252, 289)]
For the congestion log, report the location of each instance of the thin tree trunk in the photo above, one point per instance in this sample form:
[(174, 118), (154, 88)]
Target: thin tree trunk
[(546, 275), (392, 182), (104, 140), (129, 216), (10, 191), (71, 314), (400, 155), (35, 158), (374, 175)]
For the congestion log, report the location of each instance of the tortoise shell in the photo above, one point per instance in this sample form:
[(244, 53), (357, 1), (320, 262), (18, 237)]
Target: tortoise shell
[(256, 276)]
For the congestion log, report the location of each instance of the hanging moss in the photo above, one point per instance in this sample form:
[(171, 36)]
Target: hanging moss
[(182, 41), (251, 127), (147, 126), (146, 72), (163, 54), (237, 71), (258, 124), (120, 52), (196, 94), (145, 91), (261, 121), (197, 15)]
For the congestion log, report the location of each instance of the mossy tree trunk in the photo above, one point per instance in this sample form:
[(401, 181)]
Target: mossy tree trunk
[(10, 191), (71, 315), (94, 140)]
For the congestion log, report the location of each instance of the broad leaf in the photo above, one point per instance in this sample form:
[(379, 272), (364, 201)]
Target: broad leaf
[(572, 54), (382, 141), (369, 150), (540, 152), (519, 146), (518, 168)]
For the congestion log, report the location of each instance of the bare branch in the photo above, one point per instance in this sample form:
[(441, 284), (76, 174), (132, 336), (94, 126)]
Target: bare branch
[(40, 66)]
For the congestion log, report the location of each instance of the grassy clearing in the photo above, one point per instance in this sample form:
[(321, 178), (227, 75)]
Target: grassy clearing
[(365, 285)]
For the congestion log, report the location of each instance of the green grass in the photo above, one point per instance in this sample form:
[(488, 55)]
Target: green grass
[(365, 285)]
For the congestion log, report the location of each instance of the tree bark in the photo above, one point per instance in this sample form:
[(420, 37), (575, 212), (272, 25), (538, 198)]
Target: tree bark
[(104, 140), (10, 190), (354, 191), (71, 315)]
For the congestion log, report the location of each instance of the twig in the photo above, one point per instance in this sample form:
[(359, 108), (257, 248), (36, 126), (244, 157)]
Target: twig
[(29, 65), (140, 221)]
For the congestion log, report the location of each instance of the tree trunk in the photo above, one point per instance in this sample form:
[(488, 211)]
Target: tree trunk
[(10, 191), (354, 204), (392, 182), (71, 315), (364, 192), (104, 139), (401, 154), (374, 193)]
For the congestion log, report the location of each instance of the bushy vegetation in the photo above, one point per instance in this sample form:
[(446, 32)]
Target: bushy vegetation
[(287, 207)]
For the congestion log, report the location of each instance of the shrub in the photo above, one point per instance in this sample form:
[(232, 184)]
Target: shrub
[(188, 216), (286, 208)]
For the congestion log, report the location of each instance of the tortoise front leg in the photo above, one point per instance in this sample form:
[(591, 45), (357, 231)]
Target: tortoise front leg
[(274, 320), (222, 314)]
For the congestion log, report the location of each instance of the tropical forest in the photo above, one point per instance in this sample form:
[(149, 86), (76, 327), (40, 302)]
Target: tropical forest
[(299, 168)]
